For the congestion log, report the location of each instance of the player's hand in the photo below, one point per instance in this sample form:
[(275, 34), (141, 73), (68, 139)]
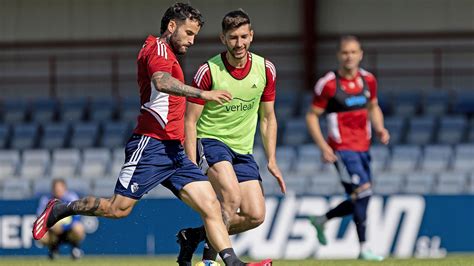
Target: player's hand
[(328, 155), (383, 136), (219, 96), (275, 171)]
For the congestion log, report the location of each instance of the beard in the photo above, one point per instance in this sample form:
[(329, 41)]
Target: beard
[(233, 53), (175, 46)]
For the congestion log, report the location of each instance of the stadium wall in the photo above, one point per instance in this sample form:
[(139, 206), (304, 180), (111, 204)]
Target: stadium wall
[(399, 225), (24, 20)]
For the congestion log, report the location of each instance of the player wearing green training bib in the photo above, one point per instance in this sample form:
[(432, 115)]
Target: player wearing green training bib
[(220, 138)]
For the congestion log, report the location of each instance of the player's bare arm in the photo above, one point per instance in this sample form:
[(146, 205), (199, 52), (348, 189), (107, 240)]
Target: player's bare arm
[(164, 82), (312, 120), (376, 117), (193, 112), (268, 130)]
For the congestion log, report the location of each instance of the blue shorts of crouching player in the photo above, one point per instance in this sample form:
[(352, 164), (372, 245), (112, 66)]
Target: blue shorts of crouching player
[(354, 171), (212, 151), (149, 162)]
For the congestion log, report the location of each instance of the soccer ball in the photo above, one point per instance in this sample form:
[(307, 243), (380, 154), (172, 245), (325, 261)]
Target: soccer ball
[(207, 263)]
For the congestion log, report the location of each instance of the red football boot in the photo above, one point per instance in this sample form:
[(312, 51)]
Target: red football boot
[(39, 227), (267, 262)]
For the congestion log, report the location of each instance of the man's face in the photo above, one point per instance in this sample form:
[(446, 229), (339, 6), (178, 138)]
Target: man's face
[(350, 55), (59, 189), (183, 34), (238, 41)]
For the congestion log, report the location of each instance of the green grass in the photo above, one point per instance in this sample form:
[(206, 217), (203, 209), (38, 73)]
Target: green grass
[(160, 261)]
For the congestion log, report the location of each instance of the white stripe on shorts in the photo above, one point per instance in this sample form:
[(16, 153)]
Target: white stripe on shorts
[(201, 158), (129, 168)]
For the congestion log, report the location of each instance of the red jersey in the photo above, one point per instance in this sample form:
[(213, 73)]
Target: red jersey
[(203, 80), (345, 101), (161, 115)]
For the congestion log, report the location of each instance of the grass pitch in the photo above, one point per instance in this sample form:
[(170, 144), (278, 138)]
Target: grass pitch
[(457, 260)]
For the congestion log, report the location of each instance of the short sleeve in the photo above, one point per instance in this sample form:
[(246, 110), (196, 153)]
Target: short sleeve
[(202, 80), (159, 61), (269, 90), (324, 89), (372, 84)]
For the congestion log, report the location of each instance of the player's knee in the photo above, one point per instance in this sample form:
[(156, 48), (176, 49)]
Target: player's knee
[(255, 218), (210, 206), (78, 230)]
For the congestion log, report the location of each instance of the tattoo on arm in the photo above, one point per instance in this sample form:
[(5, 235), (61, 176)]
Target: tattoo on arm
[(164, 82), (86, 206)]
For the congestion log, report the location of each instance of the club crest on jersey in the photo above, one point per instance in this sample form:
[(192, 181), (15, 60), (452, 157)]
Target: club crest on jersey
[(134, 187)]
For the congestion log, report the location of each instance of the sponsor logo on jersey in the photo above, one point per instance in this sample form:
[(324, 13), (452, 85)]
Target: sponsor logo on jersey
[(356, 100), (243, 105)]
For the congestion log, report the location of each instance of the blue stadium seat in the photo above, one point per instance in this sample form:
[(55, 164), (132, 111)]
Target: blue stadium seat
[(15, 110), (404, 158), (396, 125), (285, 104), (451, 183), (286, 156), (73, 109), (118, 159), (470, 133), (44, 110), (451, 129), (436, 102), (103, 187), (388, 183), (4, 135), (463, 161), (16, 189), (407, 103), (41, 186), (84, 135), (297, 184), (437, 158), (102, 109), (24, 136), (380, 154), (309, 159), (323, 183), (129, 109), (463, 103), (95, 162), (419, 183), (114, 134), (79, 185), (385, 102), (9, 161), (54, 135), (65, 163), (35, 163), (421, 130), (295, 132)]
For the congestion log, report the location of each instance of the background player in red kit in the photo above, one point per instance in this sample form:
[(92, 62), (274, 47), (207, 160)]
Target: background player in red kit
[(349, 98), (154, 154)]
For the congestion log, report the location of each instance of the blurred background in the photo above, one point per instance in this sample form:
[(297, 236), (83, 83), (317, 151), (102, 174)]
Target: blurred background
[(69, 100)]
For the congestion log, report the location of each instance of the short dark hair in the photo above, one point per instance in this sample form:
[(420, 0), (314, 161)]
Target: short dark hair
[(235, 19), (57, 181), (180, 12), (348, 38)]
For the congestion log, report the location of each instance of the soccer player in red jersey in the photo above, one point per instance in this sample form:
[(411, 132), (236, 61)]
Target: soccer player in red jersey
[(349, 98), (154, 154)]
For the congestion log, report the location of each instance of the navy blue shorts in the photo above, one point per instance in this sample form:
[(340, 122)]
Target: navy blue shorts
[(212, 151), (354, 170), (149, 162)]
